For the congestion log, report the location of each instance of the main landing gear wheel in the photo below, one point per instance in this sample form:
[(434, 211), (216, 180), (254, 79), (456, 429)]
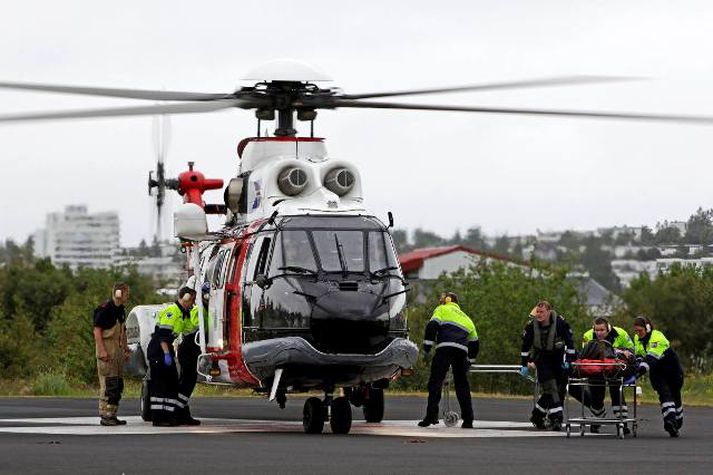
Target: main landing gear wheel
[(374, 405), (313, 416), (341, 418), (145, 401)]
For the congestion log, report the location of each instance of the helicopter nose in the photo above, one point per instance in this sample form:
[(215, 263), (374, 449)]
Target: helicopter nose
[(351, 321)]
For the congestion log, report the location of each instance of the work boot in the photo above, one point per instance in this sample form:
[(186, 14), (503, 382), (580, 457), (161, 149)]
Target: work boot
[(467, 425), (670, 427), (185, 418), (537, 419), (427, 422), (626, 429), (119, 422), (556, 423), (594, 428), (109, 421)]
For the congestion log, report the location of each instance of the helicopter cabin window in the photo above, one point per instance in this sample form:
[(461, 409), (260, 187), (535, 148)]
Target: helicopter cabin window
[(340, 247), (262, 256), (292, 249), (217, 275)]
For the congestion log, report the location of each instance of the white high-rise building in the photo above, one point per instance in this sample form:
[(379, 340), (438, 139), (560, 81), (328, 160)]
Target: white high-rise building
[(79, 239)]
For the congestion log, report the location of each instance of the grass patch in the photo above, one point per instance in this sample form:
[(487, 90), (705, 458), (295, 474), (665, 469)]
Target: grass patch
[(51, 384)]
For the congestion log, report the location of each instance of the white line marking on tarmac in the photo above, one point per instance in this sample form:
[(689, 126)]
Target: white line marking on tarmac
[(136, 426)]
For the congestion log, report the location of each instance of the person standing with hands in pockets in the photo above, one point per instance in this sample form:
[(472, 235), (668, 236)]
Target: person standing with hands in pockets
[(111, 352)]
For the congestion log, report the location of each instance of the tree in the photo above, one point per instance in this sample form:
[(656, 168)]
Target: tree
[(422, 238), (502, 245), (475, 239), (699, 229), (667, 234), (647, 236)]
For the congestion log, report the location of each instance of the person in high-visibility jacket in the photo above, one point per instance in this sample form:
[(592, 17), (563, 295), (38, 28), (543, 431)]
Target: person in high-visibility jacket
[(621, 343), (657, 358), (548, 346), (453, 334), (163, 387), (188, 352)]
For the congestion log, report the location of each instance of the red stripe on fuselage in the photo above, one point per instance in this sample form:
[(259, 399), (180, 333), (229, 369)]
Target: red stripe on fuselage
[(238, 369)]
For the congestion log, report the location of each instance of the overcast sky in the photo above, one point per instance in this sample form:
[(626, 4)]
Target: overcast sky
[(437, 170)]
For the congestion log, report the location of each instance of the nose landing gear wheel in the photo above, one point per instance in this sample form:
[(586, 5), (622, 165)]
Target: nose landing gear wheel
[(313, 416), (341, 418)]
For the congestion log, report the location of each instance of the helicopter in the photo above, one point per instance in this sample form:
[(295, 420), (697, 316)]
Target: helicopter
[(306, 291)]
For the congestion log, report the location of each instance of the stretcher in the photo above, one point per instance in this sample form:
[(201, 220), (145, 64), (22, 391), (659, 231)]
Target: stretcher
[(588, 374), (451, 417)]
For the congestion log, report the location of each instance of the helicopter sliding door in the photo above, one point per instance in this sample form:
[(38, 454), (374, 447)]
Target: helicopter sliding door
[(252, 298), (217, 274)]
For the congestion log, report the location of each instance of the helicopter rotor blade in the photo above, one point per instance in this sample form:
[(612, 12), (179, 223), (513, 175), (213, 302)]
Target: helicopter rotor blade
[(693, 119), (522, 84), (178, 108), (114, 92)]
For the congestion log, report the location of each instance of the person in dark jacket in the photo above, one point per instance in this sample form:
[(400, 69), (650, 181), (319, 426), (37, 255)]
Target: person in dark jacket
[(162, 358), (453, 334), (548, 346), (657, 358)]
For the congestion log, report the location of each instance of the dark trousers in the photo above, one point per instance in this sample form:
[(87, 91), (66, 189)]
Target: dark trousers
[(449, 357), (163, 389), (592, 397), (667, 381), (188, 353), (553, 382)]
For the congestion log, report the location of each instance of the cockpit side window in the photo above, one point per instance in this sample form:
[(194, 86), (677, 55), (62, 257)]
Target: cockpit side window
[(292, 249)]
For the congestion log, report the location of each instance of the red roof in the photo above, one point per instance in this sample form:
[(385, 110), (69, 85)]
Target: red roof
[(413, 260)]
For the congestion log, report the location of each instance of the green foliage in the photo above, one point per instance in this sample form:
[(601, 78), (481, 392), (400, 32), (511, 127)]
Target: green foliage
[(51, 384), (498, 297), (699, 229), (20, 347), (46, 317)]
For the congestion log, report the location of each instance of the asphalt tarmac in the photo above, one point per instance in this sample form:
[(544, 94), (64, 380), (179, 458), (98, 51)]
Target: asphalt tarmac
[(251, 435)]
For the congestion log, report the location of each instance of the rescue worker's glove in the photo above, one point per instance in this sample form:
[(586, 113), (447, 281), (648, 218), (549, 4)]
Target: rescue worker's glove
[(524, 371), (426, 356), (471, 362), (167, 359), (641, 369)]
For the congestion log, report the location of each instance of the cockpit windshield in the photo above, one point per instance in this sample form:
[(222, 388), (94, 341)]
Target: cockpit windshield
[(319, 249)]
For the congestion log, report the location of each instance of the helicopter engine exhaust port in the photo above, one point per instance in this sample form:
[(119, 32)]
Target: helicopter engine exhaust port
[(339, 181), (292, 180)]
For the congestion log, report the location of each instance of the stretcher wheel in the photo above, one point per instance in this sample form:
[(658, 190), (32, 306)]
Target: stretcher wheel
[(581, 430), (619, 431), (568, 428), (634, 428), (451, 418)]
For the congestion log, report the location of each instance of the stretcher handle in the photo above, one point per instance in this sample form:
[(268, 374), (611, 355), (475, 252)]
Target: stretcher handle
[(499, 368)]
